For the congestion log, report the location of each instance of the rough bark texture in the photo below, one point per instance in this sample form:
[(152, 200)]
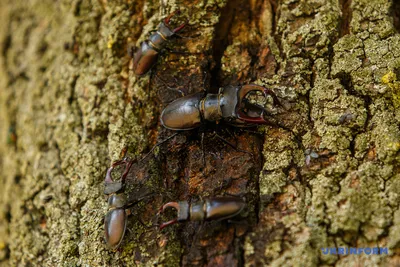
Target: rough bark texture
[(328, 176)]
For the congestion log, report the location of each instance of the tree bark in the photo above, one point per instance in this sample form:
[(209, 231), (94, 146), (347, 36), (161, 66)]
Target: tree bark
[(325, 174)]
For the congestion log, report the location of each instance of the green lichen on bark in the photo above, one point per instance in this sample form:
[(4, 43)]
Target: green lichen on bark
[(65, 74), (354, 135), (69, 104)]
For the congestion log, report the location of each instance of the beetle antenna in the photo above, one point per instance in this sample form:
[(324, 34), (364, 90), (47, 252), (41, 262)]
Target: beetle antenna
[(233, 146), (158, 144)]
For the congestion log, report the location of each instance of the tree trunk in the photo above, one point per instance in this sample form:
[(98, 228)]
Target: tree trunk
[(325, 174)]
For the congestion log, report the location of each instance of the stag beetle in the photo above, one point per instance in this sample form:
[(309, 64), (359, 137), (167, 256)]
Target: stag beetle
[(217, 208), (229, 105), (147, 54), (115, 219), (118, 205)]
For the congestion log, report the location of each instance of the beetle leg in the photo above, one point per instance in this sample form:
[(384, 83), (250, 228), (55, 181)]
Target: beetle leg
[(134, 201), (189, 37), (151, 32), (131, 49), (202, 151), (174, 205), (168, 87), (158, 144), (233, 146), (130, 211)]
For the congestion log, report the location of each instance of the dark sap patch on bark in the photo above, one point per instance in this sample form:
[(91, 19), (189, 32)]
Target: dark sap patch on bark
[(6, 45), (395, 11), (346, 17), (17, 179), (346, 82), (221, 40), (274, 6)]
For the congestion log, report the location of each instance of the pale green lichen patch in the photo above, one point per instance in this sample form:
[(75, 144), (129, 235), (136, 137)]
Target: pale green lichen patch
[(298, 70), (322, 68), (354, 138), (367, 260), (336, 114), (314, 35), (355, 204), (348, 55), (298, 254), (366, 61), (323, 189), (392, 189), (235, 61), (340, 110), (371, 18), (394, 232), (272, 183), (278, 154), (334, 138), (207, 13), (386, 134), (360, 205), (390, 79)]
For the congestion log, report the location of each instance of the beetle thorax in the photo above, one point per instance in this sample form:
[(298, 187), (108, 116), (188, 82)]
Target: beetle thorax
[(210, 107), (158, 39), (116, 201)]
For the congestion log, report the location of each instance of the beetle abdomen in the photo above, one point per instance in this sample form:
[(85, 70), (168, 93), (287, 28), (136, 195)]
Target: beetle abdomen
[(183, 113), (114, 227), (144, 59), (223, 207)]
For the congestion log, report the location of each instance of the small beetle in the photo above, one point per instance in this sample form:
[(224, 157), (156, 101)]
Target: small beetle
[(146, 56), (229, 105), (119, 204), (115, 219), (217, 208)]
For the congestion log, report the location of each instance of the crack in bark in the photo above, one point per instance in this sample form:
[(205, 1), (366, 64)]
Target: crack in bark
[(221, 41), (395, 12)]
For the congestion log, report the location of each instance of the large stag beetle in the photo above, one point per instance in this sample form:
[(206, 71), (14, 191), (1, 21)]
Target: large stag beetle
[(229, 105)]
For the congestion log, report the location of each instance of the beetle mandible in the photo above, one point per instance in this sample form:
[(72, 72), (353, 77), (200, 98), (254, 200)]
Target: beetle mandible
[(146, 56)]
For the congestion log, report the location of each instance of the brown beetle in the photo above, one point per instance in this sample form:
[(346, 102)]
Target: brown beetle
[(228, 105), (146, 56), (115, 219), (119, 204), (217, 208)]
